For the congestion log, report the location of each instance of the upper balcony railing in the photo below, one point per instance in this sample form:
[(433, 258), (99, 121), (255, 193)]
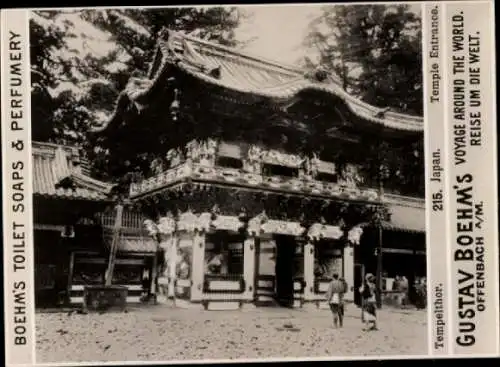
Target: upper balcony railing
[(254, 167)]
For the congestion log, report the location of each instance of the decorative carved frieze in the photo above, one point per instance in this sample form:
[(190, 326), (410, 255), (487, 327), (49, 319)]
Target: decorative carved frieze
[(174, 157), (282, 227), (252, 178), (320, 231), (227, 223), (200, 164), (370, 194), (151, 228), (281, 159), (165, 178), (190, 222), (354, 235), (309, 167), (256, 226), (204, 222), (202, 152), (350, 176), (166, 225), (230, 175), (253, 162)]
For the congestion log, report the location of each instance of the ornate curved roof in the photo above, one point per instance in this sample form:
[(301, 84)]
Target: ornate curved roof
[(251, 79)]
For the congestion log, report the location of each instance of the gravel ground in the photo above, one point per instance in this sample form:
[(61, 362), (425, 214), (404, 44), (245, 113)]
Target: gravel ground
[(161, 333)]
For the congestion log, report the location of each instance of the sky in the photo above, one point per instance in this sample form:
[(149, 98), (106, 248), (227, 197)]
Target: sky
[(279, 30)]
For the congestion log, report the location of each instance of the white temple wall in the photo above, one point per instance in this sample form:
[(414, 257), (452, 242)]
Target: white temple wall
[(348, 272)]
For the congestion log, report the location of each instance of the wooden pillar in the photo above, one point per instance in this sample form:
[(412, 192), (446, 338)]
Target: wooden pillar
[(380, 263), (348, 271), (70, 275), (309, 270), (198, 266), (249, 267), (154, 276)]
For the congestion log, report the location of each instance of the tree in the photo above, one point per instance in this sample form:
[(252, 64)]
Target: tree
[(375, 50), (399, 167), (81, 60)]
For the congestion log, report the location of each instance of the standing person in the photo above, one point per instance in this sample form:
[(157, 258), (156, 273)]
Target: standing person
[(395, 285), (346, 289), (335, 298), (368, 294), (404, 288)]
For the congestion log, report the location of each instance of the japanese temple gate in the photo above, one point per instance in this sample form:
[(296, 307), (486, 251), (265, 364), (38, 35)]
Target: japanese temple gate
[(250, 201)]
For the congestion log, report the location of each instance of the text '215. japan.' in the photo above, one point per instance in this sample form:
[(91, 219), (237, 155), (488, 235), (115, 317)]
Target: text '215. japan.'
[(237, 183)]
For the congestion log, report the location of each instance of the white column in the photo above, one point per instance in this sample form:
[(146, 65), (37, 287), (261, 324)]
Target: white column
[(249, 267), (349, 271), (163, 278), (198, 266), (172, 266), (308, 270)]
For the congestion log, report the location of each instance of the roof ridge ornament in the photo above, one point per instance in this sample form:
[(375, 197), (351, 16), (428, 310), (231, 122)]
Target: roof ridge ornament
[(381, 113), (318, 74), (164, 33)]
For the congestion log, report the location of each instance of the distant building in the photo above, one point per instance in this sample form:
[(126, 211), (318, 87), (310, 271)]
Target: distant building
[(248, 203)]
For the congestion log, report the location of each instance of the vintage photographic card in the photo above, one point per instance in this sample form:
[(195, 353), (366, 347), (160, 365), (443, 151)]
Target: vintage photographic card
[(204, 184)]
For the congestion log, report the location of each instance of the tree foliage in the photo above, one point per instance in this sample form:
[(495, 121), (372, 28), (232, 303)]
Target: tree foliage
[(376, 52), (81, 60)]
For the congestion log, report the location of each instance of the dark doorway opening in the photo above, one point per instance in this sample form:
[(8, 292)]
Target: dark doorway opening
[(51, 268), (285, 269)]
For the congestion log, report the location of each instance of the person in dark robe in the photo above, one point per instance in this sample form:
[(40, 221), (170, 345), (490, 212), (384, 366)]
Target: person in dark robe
[(369, 296)]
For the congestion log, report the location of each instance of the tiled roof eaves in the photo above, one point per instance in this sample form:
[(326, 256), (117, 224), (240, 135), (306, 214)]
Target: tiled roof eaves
[(391, 119), (92, 184), (46, 148), (402, 200), (66, 195), (391, 227), (241, 54), (357, 107), (54, 166), (285, 91)]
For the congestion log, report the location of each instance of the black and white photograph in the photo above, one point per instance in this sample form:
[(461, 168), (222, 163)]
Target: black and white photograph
[(228, 183)]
